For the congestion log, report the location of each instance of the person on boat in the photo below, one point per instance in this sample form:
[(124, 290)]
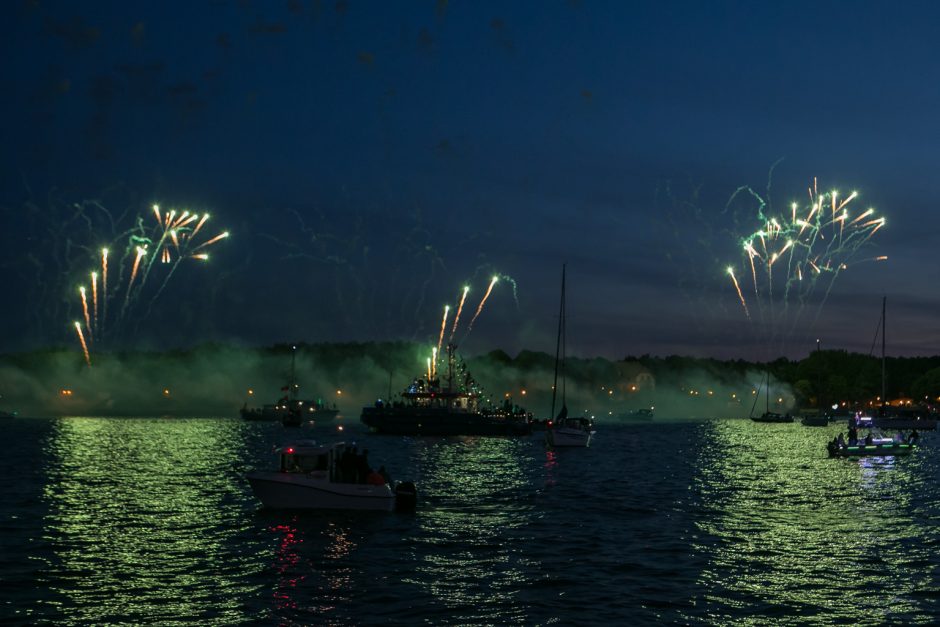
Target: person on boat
[(387, 477), (869, 440), (853, 435), (831, 446), (375, 478), (362, 467), (840, 441), (914, 436)]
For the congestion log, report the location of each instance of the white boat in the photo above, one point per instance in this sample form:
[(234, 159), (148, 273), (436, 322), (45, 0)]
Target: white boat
[(576, 431), (565, 430), (314, 476)]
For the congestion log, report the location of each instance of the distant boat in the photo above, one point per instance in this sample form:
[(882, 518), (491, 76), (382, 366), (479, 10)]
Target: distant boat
[(454, 406), (311, 476), (565, 430), (290, 410), (636, 414), (769, 416), (7, 414)]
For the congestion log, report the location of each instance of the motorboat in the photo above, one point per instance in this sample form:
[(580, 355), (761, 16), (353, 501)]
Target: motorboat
[(327, 476), (875, 446)]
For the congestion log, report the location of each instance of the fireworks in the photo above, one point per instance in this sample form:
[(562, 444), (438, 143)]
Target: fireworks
[(440, 340), (789, 256), (480, 307), (81, 338), (169, 240), (466, 288)]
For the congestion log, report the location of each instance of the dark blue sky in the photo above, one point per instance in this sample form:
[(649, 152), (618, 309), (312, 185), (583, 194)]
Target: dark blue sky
[(370, 158)]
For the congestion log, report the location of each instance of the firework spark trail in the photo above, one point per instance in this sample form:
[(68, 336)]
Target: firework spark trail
[(94, 297), (104, 287), (480, 307), (740, 295), (81, 338), (211, 241), (440, 340), (130, 282), (512, 281), (199, 226), (466, 288), (433, 362), (81, 291), (429, 370)]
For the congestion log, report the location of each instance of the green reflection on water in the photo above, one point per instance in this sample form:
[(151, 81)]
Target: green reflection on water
[(473, 560), (786, 528), (141, 514)]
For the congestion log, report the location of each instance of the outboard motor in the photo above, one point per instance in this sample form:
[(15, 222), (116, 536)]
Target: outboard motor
[(406, 496)]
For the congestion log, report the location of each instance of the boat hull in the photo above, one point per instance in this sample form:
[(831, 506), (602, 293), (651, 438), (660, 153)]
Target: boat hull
[(279, 490), (420, 421), (557, 438), (875, 450)]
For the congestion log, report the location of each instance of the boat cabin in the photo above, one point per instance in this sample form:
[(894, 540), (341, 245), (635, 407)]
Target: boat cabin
[(308, 457)]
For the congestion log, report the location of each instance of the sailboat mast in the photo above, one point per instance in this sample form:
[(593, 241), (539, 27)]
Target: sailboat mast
[(561, 314), (293, 385), (884, 398)]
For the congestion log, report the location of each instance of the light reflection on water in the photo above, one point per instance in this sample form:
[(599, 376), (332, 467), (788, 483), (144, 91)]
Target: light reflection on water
[(726, 521), (144, 521), (806, 539)]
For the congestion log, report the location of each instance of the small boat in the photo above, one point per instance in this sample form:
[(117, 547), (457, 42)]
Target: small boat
[(7, 414), (313, 476), (815, 420), (570, 431), (564, 430), (769, 416), (636, 414), (290, 410), (873, 447)]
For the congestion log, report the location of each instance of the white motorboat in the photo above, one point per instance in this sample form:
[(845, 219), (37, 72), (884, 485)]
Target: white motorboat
[(314, 476)]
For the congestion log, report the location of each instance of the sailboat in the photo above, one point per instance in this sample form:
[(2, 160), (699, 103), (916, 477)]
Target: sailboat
[(769, 416), (897, 418), (565, 430)]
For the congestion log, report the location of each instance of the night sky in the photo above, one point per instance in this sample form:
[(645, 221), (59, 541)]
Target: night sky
[(369, 159)]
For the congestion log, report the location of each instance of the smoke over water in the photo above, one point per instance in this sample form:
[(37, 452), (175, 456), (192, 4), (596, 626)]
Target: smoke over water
[(216, 380)]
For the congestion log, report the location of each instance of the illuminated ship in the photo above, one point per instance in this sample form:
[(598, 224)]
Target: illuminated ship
[(453, 407)]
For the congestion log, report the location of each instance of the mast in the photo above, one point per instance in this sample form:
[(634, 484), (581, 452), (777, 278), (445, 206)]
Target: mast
[(558, 344), (884, 398), (292, 395)]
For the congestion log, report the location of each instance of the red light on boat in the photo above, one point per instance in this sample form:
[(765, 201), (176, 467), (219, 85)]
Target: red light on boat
[(290, 451)]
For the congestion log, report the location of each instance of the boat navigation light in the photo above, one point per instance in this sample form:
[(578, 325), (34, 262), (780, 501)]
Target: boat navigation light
[(290, 451)]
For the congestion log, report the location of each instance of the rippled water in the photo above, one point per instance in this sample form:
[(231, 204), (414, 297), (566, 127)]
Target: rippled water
[(110, 520)]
